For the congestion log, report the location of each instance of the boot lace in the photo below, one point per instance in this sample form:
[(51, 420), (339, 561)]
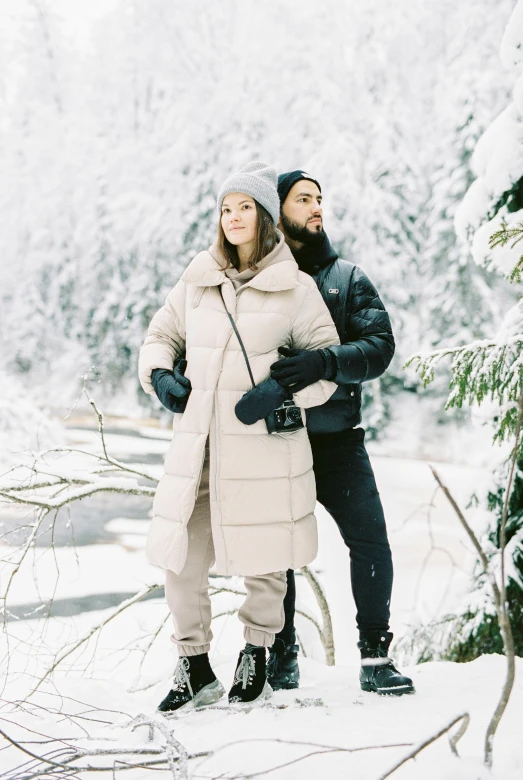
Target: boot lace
[(246, 670), (181, 676)]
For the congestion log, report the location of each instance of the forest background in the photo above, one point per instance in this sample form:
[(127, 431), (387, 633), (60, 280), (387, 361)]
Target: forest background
[(120, 119)]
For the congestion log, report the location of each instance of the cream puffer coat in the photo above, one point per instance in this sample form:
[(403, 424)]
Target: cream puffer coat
[(262, 486)]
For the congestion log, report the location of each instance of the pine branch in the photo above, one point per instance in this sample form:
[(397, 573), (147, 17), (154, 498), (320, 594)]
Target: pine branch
[(484, 369), (502, 237)]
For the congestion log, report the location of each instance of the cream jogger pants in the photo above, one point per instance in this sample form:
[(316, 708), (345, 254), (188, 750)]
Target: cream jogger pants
[(187, 593)]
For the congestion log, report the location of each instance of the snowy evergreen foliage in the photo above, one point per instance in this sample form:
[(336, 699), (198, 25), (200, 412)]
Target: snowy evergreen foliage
[(477, 631), (474, 629), (489, 370), (113, 144), (496, 196)]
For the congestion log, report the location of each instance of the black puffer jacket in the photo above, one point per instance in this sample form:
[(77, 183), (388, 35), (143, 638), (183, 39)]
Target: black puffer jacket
[(367, 343)]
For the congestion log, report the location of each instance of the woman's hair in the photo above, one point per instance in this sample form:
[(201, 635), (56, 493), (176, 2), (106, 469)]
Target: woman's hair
[(266, 240)]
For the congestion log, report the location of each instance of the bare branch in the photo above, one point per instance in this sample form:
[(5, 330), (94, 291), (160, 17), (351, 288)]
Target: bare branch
[(25, 549), (464, 718), (180, 770), (100, 423), (133, 489), (499, 593), (503, 615), (470, 533), (121, 608), (326, 633), (57, 762), (152, 641), (321, 749)]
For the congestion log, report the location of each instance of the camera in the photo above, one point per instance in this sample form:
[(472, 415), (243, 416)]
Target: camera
[(285, 419)]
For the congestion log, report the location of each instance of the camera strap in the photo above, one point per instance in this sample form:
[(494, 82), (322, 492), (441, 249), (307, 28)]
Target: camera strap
[(235, 329)]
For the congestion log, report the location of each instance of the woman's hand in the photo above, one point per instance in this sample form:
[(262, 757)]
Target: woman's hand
[(259, 402), (172, 388)]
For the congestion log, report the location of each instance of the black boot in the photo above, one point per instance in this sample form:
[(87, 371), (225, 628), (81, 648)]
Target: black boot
[(283, 672), (378, 673), (195, 685), (250, 678)]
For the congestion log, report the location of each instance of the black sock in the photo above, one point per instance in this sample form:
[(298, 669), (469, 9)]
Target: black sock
[(248, 647), (199, 665)]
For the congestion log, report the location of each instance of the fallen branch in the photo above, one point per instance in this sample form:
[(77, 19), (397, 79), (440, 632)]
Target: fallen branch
[(320, 750), (179, 770), (25, 549), (56, 763), (66, 653), (127, 486), (109, 459), (464, 718)]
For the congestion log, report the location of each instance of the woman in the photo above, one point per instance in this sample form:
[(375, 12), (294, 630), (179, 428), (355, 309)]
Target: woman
[(232, 492)]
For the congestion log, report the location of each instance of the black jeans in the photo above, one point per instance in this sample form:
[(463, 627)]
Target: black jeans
[(347, 489)]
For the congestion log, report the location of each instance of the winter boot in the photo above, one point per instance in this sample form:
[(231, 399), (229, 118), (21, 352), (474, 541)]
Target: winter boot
[(250, 678), (195, 685), (378, 673), (283, 672)]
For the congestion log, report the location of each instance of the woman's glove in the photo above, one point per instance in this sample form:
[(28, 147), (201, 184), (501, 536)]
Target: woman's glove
[(259, 402), (172, 388)]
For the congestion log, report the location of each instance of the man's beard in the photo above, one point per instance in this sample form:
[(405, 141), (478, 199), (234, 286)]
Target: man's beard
[(301, 233)]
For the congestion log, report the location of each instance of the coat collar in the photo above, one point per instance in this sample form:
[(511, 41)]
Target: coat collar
[(282, 274), (312, 257)]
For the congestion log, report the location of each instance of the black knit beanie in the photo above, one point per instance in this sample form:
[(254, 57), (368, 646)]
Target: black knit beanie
[(286, 182)]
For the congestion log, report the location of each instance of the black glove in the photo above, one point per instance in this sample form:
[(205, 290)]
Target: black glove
[(259, 402), (172, 387), (301, 367)]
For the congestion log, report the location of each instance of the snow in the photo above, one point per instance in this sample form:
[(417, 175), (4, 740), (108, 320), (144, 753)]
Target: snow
[(497, 161), (23, 425), (432, 562), (501, 164), (116, 133), (504, 258), (511, 51), (329, 709)]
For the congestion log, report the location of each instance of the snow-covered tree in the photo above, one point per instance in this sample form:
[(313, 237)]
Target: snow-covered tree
[(497, 193), (114, 147), (490, 370)]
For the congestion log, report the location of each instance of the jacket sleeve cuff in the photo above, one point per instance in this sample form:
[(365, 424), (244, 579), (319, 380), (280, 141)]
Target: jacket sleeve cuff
[(351, 363), (331, 367)]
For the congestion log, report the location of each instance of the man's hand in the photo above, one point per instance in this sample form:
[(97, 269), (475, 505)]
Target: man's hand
[(172, 388), (300, 368)]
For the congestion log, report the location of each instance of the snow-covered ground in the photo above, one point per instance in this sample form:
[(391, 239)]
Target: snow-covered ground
[(114, 673)]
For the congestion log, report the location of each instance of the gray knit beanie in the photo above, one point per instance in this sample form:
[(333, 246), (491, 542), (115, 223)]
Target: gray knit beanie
[(257, 180)]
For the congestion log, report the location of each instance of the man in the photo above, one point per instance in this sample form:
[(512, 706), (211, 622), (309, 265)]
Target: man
[(344, 477)]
